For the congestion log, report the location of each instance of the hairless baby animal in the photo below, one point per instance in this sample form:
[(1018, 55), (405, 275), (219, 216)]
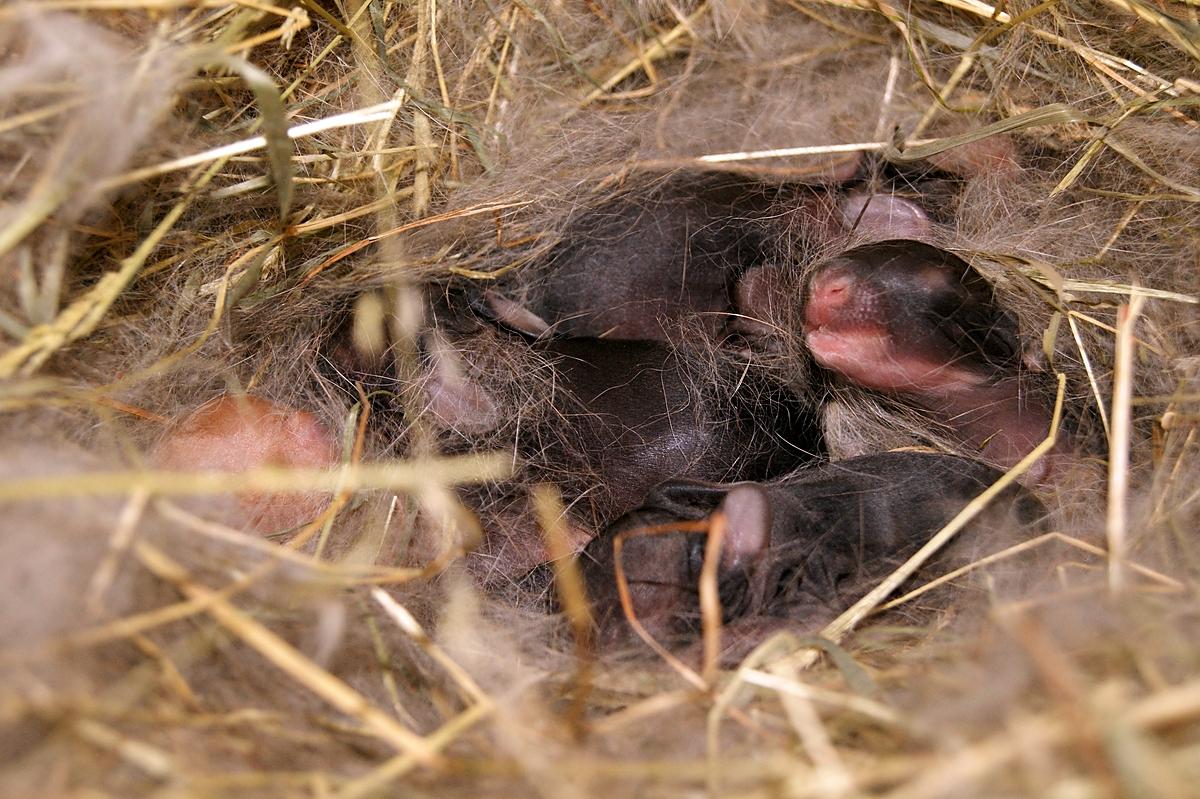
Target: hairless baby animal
[(796, 551), (679, 250), (917, 322)]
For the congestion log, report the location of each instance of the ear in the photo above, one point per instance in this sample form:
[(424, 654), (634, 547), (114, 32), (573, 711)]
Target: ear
[(514, 315), (761, 298), (747, 510), (884, 216), (455, 400)]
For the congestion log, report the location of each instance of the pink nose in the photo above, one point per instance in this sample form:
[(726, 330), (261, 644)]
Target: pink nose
[(828, 295)]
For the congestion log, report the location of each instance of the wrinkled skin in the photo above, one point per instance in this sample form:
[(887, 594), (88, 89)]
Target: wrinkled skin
[(797, 551)]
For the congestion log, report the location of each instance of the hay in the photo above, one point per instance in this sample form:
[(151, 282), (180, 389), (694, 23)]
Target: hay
[(198, 197)]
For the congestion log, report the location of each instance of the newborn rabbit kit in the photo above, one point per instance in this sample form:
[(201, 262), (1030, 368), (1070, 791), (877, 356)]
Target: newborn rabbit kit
[(659, 398)]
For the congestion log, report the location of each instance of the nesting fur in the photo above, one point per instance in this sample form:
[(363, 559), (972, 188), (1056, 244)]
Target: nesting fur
[(132, 300)]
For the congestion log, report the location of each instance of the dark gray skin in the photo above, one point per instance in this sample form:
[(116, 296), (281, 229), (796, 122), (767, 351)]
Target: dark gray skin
[(918, 323), (898, 316), (627, 415), (799, 551), (711, 249), (633, 414), (635, 267)]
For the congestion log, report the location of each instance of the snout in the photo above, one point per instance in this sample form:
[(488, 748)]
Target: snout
[(830, 294)]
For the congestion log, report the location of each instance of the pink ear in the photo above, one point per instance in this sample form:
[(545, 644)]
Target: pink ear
[(459, 404), (456, 401), (762, 298), (513, 314), (747, 525), (884, 216), (240, 433)]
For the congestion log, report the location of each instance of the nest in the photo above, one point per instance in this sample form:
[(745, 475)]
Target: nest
[(200, 200)]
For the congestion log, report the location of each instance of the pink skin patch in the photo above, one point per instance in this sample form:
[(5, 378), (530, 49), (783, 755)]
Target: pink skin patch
[(999, 422), (763, 296), (747, 525), (234, 434), (515, 315), (458, 404), (846, 330), (455, 401), (884, 216), (845, 168), (869, 358), (843, 336)]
